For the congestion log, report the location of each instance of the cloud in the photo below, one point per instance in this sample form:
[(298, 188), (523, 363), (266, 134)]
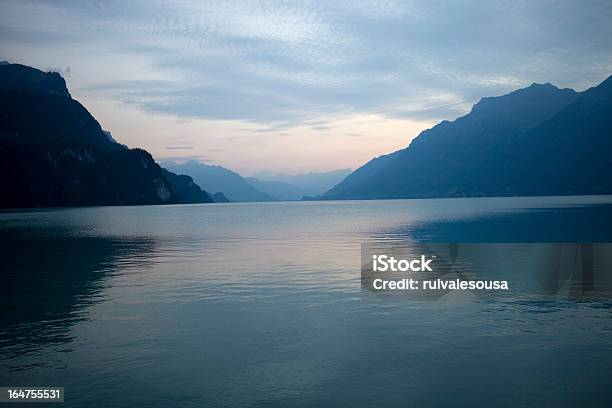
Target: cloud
[(282, 64), (179, 147), (169, 160)]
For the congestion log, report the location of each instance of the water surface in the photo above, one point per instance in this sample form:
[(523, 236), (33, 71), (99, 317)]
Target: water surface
[(261, 305)]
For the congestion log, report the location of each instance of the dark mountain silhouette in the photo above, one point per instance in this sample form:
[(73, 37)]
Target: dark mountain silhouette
[(17, 77), (280, 189), (36, 109), (539, 140), (54, 152), (578, 143), (218, 178)]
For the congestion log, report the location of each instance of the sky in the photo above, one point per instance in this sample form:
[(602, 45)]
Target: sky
[(299, 86)]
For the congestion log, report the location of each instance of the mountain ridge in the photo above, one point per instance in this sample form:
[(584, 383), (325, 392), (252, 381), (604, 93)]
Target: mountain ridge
[(219, 178), (55, 153), (314, 183), (476, 154), (279, 189)]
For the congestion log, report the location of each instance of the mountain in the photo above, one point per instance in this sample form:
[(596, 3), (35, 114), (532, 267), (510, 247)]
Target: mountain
[(36, 109), (55, 153), (540, 140), (571, 153), (362, 174), (17, 77), (219, 198), (313, 183), (187, 192), (279, 189), (217, 178)]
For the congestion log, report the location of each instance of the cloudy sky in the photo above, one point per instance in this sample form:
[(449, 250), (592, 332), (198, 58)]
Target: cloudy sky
[(297, 86)]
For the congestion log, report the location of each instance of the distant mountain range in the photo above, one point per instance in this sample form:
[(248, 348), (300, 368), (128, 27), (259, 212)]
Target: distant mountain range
[(218, 178), (279, 189), (276, 187), (54, 152), (540, 140), (312, 183)]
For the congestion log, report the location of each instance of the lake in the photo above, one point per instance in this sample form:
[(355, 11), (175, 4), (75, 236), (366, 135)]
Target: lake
[(260, 304)]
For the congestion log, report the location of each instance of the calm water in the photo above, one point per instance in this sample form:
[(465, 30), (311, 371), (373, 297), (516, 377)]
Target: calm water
[(261, 305)]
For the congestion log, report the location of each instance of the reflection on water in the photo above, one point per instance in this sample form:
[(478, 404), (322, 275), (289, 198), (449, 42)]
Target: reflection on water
[(261, 305), (571, 224), (48, 277)]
